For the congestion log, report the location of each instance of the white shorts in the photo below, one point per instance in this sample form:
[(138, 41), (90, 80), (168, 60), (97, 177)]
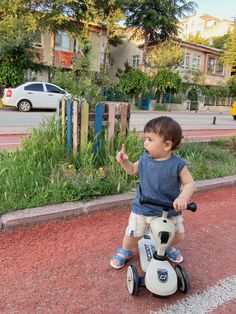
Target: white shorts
[(138, 225)]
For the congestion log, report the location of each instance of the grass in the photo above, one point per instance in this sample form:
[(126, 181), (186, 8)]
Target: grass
[(40, 172)]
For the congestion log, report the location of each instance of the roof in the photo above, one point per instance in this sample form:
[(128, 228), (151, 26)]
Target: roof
[(186, 44)]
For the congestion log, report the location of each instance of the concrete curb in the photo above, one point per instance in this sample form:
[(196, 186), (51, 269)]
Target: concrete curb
[(65, 210)]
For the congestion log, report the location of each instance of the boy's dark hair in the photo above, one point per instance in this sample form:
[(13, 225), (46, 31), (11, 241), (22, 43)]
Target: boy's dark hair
[(166, 127)]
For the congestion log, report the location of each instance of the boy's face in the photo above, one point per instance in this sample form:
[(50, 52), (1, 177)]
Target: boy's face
[(155, 145)]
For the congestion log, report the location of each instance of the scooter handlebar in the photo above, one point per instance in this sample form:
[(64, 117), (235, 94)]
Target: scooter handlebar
[(144, 200)]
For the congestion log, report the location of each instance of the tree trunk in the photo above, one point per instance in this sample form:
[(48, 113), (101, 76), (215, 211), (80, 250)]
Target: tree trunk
[(133, 102), (161, 98), (106, 57), (52, 57), (144, 61)]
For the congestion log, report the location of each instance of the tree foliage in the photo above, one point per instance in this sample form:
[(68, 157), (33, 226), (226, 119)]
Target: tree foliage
[(229, 57), (156, 19), (197, 39), (133, 83), (166, 55), (231, 84), (16, 42), (166, 80), (219, 41)]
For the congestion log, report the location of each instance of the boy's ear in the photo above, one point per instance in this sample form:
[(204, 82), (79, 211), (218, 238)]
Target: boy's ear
[(168, 145)]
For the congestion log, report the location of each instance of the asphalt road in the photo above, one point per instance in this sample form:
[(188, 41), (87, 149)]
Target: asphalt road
[(188, 120), (13, 119)]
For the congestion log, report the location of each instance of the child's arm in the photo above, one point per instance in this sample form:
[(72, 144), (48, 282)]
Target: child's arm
[(181, 201), (122, 158)]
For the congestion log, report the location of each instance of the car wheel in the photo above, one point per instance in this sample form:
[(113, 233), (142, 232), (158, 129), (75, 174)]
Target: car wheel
[(24, 105), (234, 117)]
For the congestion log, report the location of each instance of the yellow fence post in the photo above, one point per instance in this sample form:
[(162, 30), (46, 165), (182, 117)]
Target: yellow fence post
[(84, 122)]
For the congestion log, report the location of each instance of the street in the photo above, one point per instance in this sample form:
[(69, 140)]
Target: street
[(188, 120), (13, 119)]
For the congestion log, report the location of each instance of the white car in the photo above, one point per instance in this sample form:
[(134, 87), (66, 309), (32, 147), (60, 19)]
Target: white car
[(33, 95)]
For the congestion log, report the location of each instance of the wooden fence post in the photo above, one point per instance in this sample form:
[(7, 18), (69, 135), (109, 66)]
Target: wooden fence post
[(98, 127), (123, 119), (75, 125), (63, 118), (111, 122), (84, 122), (69, 115)]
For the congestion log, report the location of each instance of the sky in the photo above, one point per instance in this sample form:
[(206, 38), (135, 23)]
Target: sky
[(223, 9)]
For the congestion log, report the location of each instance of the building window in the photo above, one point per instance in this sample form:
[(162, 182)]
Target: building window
[(219, 67), (37, 39), (214, 66), (196, 62), (186, 61), (62, 41), (76, 48), (136, 61), (210, 23)]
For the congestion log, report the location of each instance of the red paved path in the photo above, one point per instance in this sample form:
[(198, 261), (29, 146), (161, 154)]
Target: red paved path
[(63, 267), (10, 141)]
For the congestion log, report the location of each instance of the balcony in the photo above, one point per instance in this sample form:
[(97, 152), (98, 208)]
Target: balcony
[(66, 59)]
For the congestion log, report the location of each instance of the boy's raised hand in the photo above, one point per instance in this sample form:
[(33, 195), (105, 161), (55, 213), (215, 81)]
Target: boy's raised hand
[(121, 155)]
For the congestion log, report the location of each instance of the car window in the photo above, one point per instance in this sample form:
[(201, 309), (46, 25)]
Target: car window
[(54, 89), (35, 87)]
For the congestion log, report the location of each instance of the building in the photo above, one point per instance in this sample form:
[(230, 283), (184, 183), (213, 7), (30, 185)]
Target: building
[(205, 25), (200, 59), (63, 51), (197, 58)]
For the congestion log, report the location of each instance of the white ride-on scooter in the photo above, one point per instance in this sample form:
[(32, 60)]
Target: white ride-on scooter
[(160, 277)]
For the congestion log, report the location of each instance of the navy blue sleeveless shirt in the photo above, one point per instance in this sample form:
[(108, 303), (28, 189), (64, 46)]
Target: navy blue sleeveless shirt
[(159, 180)]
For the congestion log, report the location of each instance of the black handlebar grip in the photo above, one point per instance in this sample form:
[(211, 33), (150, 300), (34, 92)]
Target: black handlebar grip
[(192, 206)]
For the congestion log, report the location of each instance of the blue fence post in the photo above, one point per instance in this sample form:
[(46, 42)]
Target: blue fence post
[(98, 127), (69, 115)]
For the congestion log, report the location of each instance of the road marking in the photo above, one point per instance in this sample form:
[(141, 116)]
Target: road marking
[(205, 301)]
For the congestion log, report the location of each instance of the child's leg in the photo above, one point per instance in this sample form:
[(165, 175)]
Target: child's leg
[(129, 244), (173, 253), (134, 232)]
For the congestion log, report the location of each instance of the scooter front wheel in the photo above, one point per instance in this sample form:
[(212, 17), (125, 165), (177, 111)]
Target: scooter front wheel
[(132, 280), (183, 279)]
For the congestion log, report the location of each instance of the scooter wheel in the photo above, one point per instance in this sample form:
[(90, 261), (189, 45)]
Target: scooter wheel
[(132, 280), (183, 279)]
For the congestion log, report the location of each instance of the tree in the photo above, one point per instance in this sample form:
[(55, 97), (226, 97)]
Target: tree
[(17, 56), (166, 55), (229, 56), (133, 83), (156, 19), (197, 39), (232, 86), (110, 13), (219, 41), (166, 80), (16, 43)]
